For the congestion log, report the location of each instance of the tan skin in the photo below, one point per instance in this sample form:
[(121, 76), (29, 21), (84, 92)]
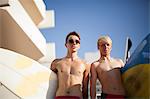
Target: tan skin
[(72, 72), (107, 71)]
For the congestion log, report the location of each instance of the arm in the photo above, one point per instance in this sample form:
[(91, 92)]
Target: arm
[(121, 63), (53, 66), (93, 79), (85, 82)]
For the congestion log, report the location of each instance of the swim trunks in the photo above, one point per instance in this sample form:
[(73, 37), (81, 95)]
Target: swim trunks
[(111, 96), (67, 97)]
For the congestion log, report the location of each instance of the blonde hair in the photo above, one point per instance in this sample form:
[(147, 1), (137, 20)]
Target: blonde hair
[(104, 38)]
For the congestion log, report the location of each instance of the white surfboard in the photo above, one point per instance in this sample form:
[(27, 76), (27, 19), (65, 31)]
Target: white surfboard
[(25, 77)]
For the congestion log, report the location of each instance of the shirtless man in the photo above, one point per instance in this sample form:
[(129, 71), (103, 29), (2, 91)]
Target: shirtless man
[(72, 72), (107, 70)]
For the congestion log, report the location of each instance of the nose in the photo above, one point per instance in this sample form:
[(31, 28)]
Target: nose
[(105, 45), (74, 42)]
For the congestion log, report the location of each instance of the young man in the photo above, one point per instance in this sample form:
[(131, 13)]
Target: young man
[(107, 70), (72, 72)]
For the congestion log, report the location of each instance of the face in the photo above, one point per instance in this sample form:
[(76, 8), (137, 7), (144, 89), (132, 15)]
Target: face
[(105, 47), (73, 43)]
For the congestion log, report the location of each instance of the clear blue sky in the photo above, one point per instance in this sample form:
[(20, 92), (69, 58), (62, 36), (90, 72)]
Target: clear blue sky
[(93, 18)]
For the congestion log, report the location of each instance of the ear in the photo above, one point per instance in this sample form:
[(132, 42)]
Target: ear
[(98, 46), (111, 49), (79, 46), (65, 44)]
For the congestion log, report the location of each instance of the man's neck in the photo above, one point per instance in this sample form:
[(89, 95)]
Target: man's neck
[(105, 58), (72, 56)]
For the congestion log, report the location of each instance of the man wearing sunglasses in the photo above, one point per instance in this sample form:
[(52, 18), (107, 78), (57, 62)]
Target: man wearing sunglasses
[(107, 70), (72, 72)]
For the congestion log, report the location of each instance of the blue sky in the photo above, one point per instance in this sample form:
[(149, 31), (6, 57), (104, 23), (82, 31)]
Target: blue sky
[(93, 18)]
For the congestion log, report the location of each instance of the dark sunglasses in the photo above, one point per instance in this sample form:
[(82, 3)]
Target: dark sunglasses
[(71, 41)]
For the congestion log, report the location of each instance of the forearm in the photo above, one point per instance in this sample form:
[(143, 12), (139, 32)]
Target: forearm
[(93, 80), (93, 92), (93, 88), (85, 91), (85, 85), (85, 95)]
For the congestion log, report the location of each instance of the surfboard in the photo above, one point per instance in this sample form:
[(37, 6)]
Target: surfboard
[(25, 77), (136, 72)]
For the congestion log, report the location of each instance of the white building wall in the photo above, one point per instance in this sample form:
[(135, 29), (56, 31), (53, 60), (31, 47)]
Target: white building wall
[(23, 77), (5, 93), (3, 2), (35, 9), (50, 55), (0, 28), (41, 6), (49, 20), (19, 32), (91, 56)]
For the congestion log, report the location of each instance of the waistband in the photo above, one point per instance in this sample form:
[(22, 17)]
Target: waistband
[(67, 97), (111, 96)]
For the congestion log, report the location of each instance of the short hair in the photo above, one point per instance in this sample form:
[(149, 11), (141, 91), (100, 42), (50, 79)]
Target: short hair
[(106, 38), (72, 33)]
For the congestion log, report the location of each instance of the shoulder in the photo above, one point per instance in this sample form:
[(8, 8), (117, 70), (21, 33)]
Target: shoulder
[(54, 65), (95, 63), (120, 62), (55, 62)]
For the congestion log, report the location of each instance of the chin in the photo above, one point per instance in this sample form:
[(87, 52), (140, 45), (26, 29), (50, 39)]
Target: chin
[(74, 50)]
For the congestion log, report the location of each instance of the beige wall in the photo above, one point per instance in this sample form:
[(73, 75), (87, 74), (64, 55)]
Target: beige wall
[(50, 55), (15, 39), (0, 28), (6, 93), (3, 2), (32, 10), (18, 31)]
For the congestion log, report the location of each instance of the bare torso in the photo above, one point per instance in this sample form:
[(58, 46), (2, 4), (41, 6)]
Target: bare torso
[(70, 76), (110, 77)]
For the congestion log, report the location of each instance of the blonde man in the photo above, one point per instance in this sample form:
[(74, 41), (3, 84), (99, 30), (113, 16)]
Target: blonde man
[(107, 70)]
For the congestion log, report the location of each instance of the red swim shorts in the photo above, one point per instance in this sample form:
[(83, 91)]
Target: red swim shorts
[(67, 97), (111, 96)]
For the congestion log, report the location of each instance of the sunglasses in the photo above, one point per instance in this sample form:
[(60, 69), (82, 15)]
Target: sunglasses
[(71, 41)]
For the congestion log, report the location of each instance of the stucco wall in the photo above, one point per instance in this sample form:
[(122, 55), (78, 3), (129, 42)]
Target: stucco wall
[(15, 39), (6, 93), (0, 28)]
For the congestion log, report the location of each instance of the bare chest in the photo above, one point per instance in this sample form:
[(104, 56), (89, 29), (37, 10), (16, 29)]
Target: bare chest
[(74, 68), (108, 69), (108, 66)]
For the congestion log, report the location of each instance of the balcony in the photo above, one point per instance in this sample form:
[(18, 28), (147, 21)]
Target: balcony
[(18, 32)]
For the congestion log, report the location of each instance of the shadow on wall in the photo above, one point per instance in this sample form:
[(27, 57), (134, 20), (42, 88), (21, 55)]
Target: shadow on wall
[(51, 93)]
